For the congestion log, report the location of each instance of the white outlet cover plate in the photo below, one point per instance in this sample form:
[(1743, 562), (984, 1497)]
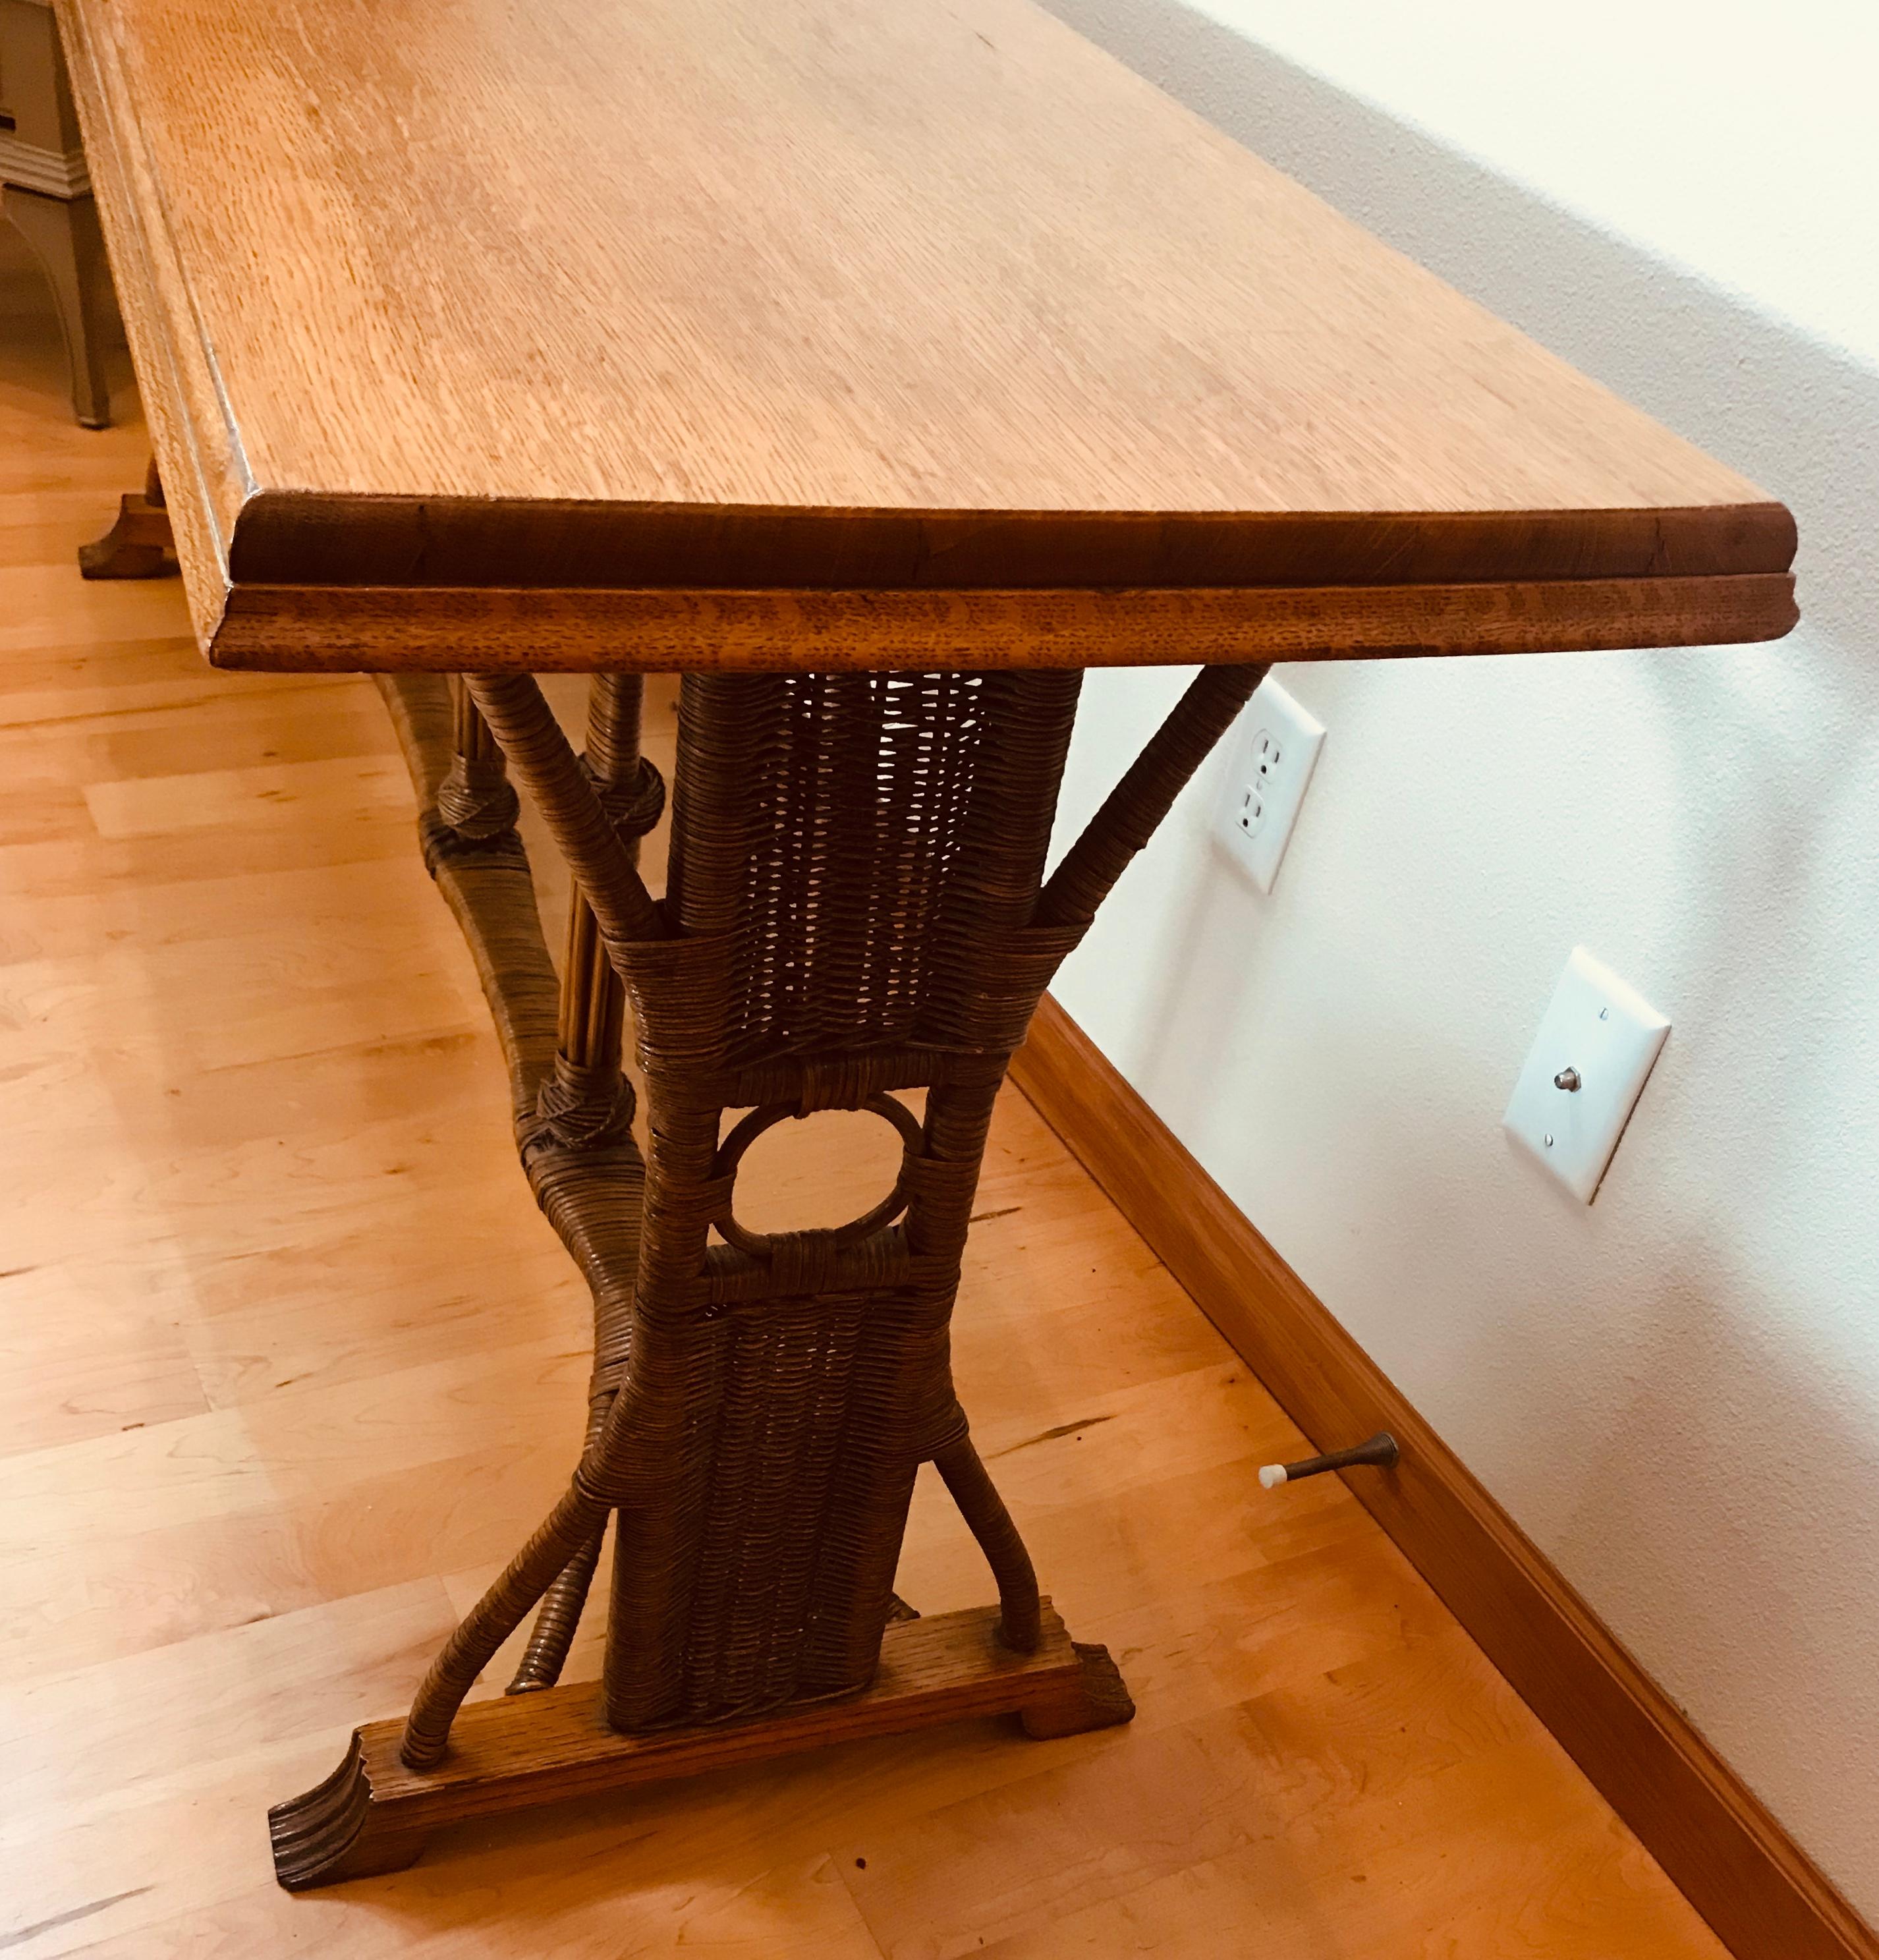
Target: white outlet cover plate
[(1272, 725), (1610, 1034)]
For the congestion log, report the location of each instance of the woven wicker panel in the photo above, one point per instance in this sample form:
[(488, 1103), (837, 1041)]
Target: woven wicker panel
[(848, 845)]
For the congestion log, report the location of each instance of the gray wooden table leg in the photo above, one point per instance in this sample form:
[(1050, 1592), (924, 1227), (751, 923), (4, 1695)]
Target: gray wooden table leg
[(63, 233)]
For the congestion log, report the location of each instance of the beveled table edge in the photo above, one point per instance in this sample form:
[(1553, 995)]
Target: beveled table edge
[(386, 629), (313, 537)]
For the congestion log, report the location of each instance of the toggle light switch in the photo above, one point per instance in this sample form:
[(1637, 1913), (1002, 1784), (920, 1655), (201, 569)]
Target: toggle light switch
[(1583, 1076)]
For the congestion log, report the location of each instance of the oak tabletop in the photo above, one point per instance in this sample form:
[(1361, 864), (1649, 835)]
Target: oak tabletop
[(899, 332)]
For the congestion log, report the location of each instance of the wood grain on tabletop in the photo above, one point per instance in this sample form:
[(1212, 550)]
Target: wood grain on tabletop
[(818, 294), (291, 1364)]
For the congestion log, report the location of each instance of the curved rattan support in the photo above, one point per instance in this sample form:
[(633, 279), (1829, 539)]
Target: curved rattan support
[(513, 706), (557, 1621), (983, 1510), (487, 885), (586, 1107), (555, 1560), (1135, 807), (589, 1188), (591, 1194), (568, 1528)]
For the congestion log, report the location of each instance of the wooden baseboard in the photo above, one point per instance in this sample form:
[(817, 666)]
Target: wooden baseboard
[(1734, 1864)]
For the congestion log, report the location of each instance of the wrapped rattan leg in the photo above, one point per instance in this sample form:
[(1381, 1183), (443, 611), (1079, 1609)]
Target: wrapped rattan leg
[(509, 707), (557, 1620), (587, 1102), (513, 706), (568, 1530), (1135, 807), (983, 1510), (476, 799)]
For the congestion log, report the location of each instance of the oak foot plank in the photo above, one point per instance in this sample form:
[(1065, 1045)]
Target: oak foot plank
[(374, 1814)]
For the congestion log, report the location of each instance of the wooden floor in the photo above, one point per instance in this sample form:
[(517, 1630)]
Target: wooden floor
[(288, 1364)]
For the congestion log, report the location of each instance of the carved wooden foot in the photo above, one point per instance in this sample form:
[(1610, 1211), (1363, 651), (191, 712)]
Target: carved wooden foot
[(139, 544), (1095, 1698), (374, 1813), (333, 1832)]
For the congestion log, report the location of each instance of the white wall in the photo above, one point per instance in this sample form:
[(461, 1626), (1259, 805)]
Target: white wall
[(1675, 1392)]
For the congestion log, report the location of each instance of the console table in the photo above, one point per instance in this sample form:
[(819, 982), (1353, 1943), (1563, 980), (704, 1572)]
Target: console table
[(882, 367)]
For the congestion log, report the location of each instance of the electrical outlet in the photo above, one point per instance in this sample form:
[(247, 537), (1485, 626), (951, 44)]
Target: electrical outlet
[(1271, 771)]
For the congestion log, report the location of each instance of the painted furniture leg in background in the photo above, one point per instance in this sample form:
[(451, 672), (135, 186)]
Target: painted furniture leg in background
[(63, 233), (45, 191)]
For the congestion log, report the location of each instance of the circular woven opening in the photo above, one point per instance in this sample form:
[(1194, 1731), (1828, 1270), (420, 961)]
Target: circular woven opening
[(835, 1169)]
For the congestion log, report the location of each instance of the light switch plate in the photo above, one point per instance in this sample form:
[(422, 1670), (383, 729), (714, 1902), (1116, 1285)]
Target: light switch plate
[(1606, 1035)]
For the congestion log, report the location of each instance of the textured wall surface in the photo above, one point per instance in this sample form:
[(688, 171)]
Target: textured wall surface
[(1675, 1391)]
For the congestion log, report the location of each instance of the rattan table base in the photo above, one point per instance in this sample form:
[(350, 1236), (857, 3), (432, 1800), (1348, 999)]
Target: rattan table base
[(856, 908)]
